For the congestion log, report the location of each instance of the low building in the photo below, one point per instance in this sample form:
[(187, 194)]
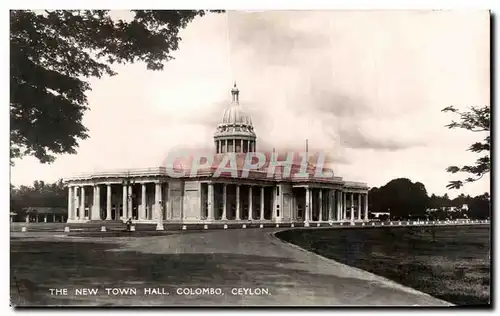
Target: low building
[(44, 214), (452, 209), (379, 215)]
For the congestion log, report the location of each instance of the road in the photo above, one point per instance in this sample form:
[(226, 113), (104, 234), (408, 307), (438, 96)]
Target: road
[(232, 260)]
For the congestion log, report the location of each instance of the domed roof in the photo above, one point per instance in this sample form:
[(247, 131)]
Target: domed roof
[(235, 115), (235, 121)]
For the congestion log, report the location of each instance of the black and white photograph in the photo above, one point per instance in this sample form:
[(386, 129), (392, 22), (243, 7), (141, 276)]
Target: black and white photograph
[(250, 158)]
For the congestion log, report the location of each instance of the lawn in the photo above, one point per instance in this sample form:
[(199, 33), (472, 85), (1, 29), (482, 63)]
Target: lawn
[(450, 263)]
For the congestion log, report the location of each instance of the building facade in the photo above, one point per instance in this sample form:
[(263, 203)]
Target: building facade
[(291, 192)]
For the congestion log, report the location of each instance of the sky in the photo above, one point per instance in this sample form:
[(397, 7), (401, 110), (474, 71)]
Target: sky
[(366, 87)]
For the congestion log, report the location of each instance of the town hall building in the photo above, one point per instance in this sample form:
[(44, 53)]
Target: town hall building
[(153, 195)]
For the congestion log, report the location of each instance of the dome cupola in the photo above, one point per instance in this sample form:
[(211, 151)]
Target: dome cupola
[(235, 133)]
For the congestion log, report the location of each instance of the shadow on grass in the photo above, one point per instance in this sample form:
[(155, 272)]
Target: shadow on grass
[(451, 263)]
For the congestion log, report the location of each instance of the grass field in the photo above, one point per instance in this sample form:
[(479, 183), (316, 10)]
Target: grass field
[(450, 263)]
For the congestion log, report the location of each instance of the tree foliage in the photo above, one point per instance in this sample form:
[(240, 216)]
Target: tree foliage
[(477, 119), (401, 197), (405, 199), (478, 207), (39, 194), (54, 53)]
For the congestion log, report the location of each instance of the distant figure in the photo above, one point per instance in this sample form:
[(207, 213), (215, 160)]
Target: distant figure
[(129, 223)]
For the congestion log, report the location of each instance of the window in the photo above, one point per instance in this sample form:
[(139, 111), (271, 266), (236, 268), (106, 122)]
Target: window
[(278, 191)]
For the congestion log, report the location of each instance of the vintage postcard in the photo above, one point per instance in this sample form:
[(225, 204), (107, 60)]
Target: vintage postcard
[(250, 158)]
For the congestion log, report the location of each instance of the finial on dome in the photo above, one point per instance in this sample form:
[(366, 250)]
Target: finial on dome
[(235, 92)]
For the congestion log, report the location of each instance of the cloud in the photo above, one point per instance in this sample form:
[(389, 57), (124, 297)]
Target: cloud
[(303, 78), (273, 36), (354, 138)]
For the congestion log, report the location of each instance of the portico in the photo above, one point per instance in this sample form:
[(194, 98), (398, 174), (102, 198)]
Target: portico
[(100, 197)]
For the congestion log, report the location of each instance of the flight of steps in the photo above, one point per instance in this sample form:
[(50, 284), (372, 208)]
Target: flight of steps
[(110, 225)]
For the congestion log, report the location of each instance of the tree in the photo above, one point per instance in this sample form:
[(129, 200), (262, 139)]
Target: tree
[(38, 195), (401, 197), (480, 206), (54, 53), (477, 119)]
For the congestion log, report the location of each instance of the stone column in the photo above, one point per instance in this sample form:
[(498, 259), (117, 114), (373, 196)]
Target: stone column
[(158, 206), (344, 206), (224, 202), (366, 207), (238, 201), (166, 198), (339, 205), (359, 206), (241, 146), (262, 203), (250, 203), (45, 218), (124, 202), (81, 214), (226, 144), (320, 200), (142, 210), (108, 201), (331, 204), (96, 209), (130, 206), (93, 203), (308, 206), (352, 206), (75, 203), (210, 214), (311, 204), (70, 203), (278, 200)]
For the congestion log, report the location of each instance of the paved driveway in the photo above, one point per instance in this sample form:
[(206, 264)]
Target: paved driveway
[(234, 261)]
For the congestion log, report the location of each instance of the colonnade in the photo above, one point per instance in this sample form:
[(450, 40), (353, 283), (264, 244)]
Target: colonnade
[(234, 145), (340, 205), (330, 205), (77, 202), (46, 219), (249, 202), (253, 191)]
